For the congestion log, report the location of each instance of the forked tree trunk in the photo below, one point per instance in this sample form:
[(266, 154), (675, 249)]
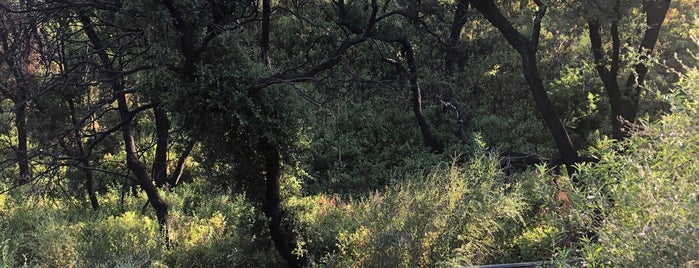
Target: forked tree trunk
[(133, 163), (624, 105)]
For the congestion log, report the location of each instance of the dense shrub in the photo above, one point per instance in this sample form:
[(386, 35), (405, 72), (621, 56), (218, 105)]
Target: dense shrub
[(453, 216), (647, 188)]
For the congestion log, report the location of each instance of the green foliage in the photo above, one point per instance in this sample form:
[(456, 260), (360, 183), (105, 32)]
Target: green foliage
[(127, 237), (451, 217), (356, 148), (649, 193), (359, 188), (216, 232), (32, 235)]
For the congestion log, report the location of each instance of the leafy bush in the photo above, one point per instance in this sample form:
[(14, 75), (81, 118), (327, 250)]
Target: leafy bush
[(649, 193), (31, 234), (119, 238), (451, 217)]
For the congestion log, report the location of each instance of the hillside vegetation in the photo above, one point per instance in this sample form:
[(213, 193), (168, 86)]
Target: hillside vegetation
[(378, 133)]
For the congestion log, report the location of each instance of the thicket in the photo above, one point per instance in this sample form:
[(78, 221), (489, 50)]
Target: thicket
[(346, 134)]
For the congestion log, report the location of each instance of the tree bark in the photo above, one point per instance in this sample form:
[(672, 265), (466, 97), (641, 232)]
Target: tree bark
[(416, 100), (179, 169), (162, 130), (138, 168), (455, 53), (264, 35), (13, 56), (22, 146), (619, 105), (459, 20), (656, 12), (282, 238), (527, 49)]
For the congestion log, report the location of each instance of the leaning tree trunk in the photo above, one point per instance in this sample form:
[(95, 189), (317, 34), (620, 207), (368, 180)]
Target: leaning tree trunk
[(174, 180), (138, 168), (527, 49), (416, 100), (133, 163)]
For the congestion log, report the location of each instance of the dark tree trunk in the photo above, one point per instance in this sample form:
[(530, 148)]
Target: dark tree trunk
[(618, 104), (179, 169), (282, 238), (133, 163), (655, 16), (84, 161), (527, 49), (22, 147), (90, 185), (416, 100), (162, 130), (264, 35), (455, 53), (427, 137), (558, 131), (624, 105), (137, 167), (459, 20)]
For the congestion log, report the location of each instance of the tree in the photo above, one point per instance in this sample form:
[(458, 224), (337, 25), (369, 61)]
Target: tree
[(455, 51), (527, 48), (119, 92), (22, 47), (623, 101)]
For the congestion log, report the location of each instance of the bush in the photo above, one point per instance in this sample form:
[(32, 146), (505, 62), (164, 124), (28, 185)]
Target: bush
[(649, 193), (125, 238), (32, 234), (451, 217)]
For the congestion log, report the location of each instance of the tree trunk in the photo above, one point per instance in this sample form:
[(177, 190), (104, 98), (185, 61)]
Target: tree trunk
[(620, 106), (264, 35), (162, 130), (282, 238), (655, 16), (137, 167), (179, 169), (85, 162), (133, 163), (558, 131), (527, 49), (624, 105), (427, 137), (21, 153), (459, 20), (90, 185), (455, 53)]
